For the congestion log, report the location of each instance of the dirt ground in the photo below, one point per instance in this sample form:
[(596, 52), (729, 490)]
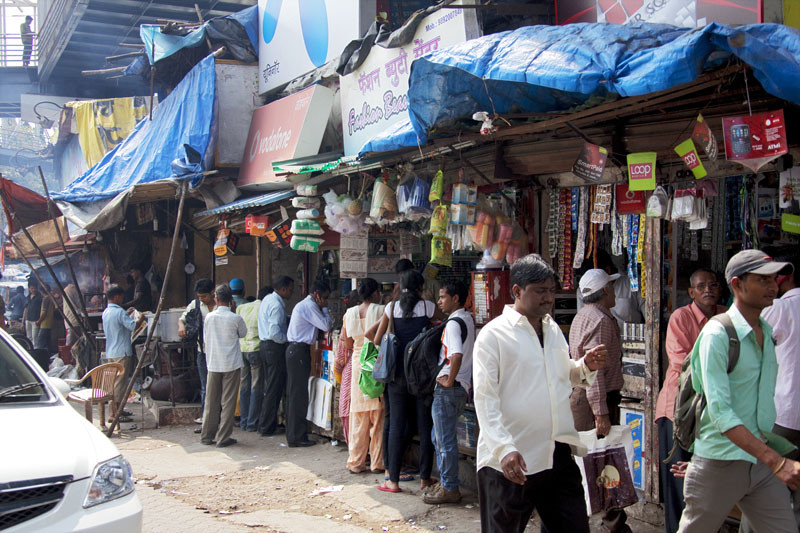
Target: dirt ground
[(260, 484)]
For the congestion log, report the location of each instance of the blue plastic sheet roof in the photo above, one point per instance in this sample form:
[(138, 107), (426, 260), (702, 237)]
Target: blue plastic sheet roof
[(554, 68), (253, 201), (181, 124), (166, 45)]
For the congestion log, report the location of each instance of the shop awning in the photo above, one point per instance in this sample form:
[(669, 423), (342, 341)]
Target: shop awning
[(247, 203), (543, 69)]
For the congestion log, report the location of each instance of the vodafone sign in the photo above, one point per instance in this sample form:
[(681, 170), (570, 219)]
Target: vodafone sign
[(285, 129)]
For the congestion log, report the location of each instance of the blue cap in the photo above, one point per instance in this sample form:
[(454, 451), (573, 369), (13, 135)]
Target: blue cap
[(236, 284)]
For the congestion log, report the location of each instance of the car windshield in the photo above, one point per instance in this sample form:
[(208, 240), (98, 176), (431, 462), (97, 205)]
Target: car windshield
[(18, 383)]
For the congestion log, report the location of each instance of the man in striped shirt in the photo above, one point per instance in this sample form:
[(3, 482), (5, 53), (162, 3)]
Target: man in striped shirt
[(222, 329)]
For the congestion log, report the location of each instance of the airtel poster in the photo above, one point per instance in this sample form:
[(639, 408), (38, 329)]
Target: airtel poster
[(755, 140)]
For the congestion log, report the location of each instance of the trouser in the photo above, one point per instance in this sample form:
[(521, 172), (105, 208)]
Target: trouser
[(557, 494), (671, 486), (346, 429), (121, 383), (72, 336), (220, 406), (298, 370), (712, 487), (27, 49), (794, 438), (32, 330), (365, 435), (43, 339), (202, 372), (613, 519), (251, 390), (448, 404), (273, 356), (402, 405)]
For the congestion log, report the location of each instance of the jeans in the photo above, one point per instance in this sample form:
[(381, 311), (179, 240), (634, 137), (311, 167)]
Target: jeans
[(251, 392), (448, 404), (202, 371)]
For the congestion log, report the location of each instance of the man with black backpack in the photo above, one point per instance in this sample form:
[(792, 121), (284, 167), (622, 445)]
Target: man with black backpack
[(190, 326), (737, 459), (452, 388)]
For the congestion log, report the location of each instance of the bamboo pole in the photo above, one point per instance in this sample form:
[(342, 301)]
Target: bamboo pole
[(81, 300), (150, 331)]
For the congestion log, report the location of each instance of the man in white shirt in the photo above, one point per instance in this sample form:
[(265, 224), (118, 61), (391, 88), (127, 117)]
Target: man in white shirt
[(452, 388), (222, 329), (523, 376), (204, 299)]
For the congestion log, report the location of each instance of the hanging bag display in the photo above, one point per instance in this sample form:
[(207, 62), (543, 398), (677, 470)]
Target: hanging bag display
[(383, 369)]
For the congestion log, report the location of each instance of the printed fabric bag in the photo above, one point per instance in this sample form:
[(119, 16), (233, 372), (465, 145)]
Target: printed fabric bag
[(607, 470), (388, 354)]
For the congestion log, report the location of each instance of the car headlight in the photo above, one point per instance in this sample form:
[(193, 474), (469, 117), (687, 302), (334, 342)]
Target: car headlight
[(111, 480)]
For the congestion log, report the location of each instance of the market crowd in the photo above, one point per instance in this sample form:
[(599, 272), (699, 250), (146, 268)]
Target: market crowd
[(533, 389)]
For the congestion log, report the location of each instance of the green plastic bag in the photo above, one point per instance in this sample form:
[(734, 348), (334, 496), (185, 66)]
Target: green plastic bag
[(367, 384)]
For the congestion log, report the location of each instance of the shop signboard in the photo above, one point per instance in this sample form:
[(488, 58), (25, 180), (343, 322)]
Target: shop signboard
[(681, 13), (374, 96), (755, 140), (285, 129), (297, 36), (590, 163)]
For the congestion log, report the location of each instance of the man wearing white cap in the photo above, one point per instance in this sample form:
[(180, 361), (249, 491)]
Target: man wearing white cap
[(737, 459), (598, 405)]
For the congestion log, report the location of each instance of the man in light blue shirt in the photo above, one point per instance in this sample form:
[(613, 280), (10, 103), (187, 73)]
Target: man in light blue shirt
[(272, 325), (737, 459), (309, 317), (118, 326)]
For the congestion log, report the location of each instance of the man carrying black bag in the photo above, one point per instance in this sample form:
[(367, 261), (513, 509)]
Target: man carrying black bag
[(190, 326)]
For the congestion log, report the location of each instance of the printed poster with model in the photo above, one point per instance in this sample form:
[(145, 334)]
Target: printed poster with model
[(755, 140), (590, 164)]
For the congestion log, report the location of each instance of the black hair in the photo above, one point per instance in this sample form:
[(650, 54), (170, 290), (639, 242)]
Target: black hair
[(283, 282), (130, 280), (352, 299), (204, 286), (457, 288), (411, 285), (403, 265), (531, 268), (366, 288), (28, 18), (594, 297), (700, 271), (251, 299), (140, 268), (223, 293), (21, 289), (320, 287), (113, 291), (795, 261), (265, 290)]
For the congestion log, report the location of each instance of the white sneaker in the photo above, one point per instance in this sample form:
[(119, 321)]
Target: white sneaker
[(198, 420)]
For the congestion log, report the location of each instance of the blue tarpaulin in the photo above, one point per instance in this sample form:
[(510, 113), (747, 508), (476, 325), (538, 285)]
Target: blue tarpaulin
[(166, 44), (181, 129), (539, 69)]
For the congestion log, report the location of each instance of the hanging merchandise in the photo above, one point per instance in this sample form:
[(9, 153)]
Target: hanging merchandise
[(633, 245), (304, 243), (704, 138), (789, 187), (306, 190), (256, 225), (552, 223), (630, 202), (337, 214), (565, 243), (642, 171), (755, 140), (280, 234), (683, 204), (483, 230), (707, 233), (574, 206), (441, 251), (226, 242), (688, 152), (305, 202), (657, 203), (306, 227), (487, 128), (617, 233), (384, 200), (463, 210), (583, 215), (307, 214), (437, 187), (733, 220), (699, 219), (439, 220), (601, 211), (590, 163), (500, 247), (412, 198), (718, 250)]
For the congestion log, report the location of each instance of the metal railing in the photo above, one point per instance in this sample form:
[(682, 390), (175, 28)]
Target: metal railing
[(15, 53)]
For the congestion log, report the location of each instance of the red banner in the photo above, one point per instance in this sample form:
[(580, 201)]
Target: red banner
[(755, 140)]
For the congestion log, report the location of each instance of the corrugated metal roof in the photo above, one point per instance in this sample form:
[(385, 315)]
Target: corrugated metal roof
[(253, 201)]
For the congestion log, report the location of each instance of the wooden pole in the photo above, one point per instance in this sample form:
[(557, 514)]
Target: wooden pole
[(175, 242), (67, 259), (652, 320)]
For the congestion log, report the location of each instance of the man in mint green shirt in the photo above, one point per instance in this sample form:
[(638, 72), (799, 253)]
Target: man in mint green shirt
[(251, 388), (735, 459)]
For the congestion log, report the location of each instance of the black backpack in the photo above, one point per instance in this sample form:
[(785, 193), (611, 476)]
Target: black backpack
[(688, 404), (193, 324), (421, 358)]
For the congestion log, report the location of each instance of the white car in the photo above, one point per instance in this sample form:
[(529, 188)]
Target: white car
[(58, 472)]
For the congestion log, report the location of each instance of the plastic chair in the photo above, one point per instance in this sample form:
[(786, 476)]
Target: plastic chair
[(102, 391)]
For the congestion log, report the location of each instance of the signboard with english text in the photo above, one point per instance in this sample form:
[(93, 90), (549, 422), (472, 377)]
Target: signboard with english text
[(374, 96), (284, 129)]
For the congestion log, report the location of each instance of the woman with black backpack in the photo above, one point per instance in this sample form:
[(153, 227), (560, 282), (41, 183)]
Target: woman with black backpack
[(411, 315)]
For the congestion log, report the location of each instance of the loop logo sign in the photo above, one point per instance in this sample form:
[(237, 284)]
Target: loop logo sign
[(297, 36)]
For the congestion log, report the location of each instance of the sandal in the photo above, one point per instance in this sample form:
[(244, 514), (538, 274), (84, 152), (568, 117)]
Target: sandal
[(384, 488), (403, 477)]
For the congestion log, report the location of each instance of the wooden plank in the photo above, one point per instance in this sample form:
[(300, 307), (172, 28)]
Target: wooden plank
[(652, 318)]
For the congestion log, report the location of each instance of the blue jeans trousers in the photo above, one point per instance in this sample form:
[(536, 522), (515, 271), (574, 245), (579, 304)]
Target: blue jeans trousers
[(202, 371), (448, 404), (251, 392)]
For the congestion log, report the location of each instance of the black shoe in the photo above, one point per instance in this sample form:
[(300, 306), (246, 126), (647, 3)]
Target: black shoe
[(280, 430), (208, 442), (226, 443), (303, 444)]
